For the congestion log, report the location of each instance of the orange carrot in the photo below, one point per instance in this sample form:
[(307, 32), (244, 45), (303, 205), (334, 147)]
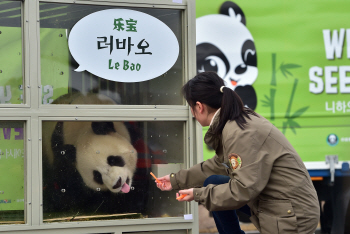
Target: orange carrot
[(158, 181), (182, 196)]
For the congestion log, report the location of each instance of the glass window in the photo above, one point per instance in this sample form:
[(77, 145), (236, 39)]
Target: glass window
[(58, 75), (11, 74), (101, 170), (11, 172)]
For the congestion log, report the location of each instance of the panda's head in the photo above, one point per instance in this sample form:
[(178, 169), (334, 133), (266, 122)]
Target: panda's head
[(105, 158), (225, 45), (101, 152)]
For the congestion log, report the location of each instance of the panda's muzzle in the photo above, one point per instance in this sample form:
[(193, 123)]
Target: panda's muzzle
[(113, 161), (119, 183)]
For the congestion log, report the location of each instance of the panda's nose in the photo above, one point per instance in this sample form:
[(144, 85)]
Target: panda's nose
[(116, 161)]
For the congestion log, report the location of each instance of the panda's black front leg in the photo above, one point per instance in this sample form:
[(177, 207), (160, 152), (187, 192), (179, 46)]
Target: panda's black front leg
[(65, 160), (248, 95), (64, 156), (64, 175)]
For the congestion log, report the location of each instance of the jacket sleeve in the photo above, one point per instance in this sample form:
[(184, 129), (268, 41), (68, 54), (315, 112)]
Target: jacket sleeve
[(195, 176), (246, 182)]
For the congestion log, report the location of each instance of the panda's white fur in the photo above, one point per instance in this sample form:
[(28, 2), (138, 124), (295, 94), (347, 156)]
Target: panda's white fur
[(92, 150)]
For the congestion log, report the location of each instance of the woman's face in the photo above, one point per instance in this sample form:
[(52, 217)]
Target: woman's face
[(200, 114)]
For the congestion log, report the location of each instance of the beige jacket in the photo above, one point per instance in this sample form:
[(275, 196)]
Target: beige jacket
[(266, 173)]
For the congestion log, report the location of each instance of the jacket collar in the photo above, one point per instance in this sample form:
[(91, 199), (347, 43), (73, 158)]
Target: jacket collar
[(210, 138), (215, 114)]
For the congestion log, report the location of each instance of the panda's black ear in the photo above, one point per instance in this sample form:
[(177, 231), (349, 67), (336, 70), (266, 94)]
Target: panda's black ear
[(102, 128), (225, 10)]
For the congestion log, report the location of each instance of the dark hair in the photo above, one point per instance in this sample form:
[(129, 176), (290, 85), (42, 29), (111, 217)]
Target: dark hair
[(205, 88)]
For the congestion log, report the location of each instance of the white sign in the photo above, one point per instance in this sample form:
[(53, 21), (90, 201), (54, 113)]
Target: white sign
[(123, 45)]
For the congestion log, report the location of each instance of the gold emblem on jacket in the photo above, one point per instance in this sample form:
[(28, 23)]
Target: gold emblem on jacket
[(235, 161)]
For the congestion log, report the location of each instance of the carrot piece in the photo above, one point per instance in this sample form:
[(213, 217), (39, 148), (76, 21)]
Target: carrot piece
[(158, 181), (180, 197)]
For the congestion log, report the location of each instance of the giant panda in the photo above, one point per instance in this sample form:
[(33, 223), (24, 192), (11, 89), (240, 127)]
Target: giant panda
[(225, 45), (87, 165)]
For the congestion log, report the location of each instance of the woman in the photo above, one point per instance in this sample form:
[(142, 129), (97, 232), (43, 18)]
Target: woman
[(255, 168)]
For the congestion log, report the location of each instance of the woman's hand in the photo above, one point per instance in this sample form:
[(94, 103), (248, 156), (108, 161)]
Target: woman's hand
[(188, 192), (164, 184)]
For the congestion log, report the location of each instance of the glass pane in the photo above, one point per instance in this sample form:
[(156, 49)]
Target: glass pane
[(101, 170), (11, 172), (58, 75), (11, 75)]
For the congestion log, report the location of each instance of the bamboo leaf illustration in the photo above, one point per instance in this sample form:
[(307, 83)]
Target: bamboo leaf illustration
[(288, 72), (267, 98), (285, 68), (293, 130), (282, 70), (299, 112), (267, 101), (291, 66), (293, 124), (284, 127)]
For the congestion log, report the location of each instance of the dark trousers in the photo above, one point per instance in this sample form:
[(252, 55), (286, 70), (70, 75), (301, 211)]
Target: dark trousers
[(226, 221)]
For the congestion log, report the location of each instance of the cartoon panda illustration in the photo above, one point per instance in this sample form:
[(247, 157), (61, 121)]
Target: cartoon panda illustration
[(225, 45)]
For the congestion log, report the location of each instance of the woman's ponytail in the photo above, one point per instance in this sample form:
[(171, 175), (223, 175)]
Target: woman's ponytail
[(210, 89), (232, 108)]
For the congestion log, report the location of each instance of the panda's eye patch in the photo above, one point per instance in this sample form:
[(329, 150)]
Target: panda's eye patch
[(205, 53), (248, 53), (117, 161), (97, 177)]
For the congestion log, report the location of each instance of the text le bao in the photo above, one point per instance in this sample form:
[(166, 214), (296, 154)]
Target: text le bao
[(126, 65)]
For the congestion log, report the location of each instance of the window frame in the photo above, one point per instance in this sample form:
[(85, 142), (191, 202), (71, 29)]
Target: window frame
[(33, 113)]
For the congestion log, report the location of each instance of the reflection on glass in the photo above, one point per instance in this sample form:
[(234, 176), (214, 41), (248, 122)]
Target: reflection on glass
[(11, 172), (11, 75), (101, 170), (57, 65)]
